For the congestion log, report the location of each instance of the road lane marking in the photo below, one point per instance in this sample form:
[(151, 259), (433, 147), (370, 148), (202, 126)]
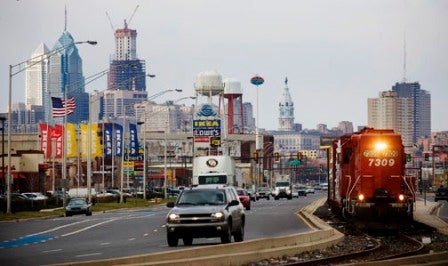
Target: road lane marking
[(88, 255), (23, 241), (51, 250), (89, 227), (57, 228)]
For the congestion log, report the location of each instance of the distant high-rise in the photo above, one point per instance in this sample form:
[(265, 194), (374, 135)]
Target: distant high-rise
[(392, 112), (286, 109), (36, 76), (248, 118), (127, 72), (421, 101), (65, 79), (346, 127)]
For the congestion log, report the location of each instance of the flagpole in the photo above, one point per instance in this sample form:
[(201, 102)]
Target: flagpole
[(52, 143)]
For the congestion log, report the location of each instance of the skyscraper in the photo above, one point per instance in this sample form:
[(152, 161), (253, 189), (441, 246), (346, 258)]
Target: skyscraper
[(65, 79), (286, 109), (127, 72), (421, 101), (36, 76)]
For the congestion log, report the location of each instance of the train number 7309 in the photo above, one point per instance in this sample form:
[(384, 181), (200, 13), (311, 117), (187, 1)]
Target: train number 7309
[(381, 162)]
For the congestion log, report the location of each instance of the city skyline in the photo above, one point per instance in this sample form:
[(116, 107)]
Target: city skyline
[(335, 55)]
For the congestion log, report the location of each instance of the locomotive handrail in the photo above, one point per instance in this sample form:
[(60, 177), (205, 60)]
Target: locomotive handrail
[(409, 187), (354, 184)]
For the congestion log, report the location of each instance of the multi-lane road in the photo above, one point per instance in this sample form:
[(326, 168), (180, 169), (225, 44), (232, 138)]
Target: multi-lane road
[(128, 232)]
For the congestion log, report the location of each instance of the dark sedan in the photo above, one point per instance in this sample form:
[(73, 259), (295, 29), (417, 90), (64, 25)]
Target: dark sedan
[(78, 206)]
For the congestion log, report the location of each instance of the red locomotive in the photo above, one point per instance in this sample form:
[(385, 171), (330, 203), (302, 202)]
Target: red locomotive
[(367, 179)]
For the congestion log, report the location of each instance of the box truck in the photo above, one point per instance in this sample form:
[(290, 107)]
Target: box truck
[(214, 170)]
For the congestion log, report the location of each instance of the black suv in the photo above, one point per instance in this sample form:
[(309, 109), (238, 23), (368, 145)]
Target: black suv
[(205, 211), (441, 194)]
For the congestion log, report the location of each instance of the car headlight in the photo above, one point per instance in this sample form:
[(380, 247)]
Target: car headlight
[(173, 218), (218, 215)]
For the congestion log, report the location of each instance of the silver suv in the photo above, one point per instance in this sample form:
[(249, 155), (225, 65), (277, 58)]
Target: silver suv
[(205, 211)]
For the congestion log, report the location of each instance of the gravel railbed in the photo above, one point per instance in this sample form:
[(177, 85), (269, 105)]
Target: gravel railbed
[(356, 241)]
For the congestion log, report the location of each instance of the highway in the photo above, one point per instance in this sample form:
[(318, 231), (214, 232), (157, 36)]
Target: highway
[(128, 232)]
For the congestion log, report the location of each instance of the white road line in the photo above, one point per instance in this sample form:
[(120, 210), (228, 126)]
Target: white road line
[(57, 228), (88, 227), (51, 251), (88, 255), (131, 239), (104, 243)]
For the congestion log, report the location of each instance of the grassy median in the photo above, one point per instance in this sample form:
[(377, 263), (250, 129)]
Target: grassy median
[(98, 207)]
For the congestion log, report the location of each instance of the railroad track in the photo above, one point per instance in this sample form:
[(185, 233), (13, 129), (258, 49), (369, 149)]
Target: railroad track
[(377, 249)]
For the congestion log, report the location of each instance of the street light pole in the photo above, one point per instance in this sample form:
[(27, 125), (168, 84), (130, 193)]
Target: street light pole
[(11, 75)]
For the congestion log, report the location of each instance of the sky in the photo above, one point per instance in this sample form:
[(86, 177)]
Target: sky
[(335, 54)]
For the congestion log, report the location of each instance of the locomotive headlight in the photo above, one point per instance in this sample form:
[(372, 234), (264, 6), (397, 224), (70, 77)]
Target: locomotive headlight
[(401, 197), (379, 146), (361, 197)]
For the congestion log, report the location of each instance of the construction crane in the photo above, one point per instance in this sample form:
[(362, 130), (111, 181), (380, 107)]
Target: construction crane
[(126, 22), (110, 21), (133, 13)]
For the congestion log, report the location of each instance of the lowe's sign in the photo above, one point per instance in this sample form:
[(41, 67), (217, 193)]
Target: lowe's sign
[(207, 128)]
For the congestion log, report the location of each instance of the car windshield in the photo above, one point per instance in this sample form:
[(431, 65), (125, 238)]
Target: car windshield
[(76, 202), (201, 197), (212, 179)]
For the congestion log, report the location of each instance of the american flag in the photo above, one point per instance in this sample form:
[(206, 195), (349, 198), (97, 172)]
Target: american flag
[(62, 108)]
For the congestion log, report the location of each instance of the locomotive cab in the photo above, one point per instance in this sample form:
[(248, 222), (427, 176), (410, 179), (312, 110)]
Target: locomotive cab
[(367, 180)]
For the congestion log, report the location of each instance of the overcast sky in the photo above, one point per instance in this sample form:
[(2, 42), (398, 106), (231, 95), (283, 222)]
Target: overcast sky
[(336, 54)]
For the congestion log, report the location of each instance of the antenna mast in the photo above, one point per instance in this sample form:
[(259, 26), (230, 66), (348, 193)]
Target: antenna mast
[(65, 17), (404, 57)]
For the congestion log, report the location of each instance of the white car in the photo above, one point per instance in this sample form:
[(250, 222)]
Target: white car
[(309, 190), (35, 196)]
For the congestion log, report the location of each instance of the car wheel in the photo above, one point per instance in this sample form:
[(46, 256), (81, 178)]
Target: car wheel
[(268, 198), (172, 240), (239, 236), (226, 236), (188, 241), (248, 207), (276, 198), (89, 213)]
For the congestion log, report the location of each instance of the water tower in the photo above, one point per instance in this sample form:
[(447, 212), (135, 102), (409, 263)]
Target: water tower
[(233, 94), (209, 83)]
